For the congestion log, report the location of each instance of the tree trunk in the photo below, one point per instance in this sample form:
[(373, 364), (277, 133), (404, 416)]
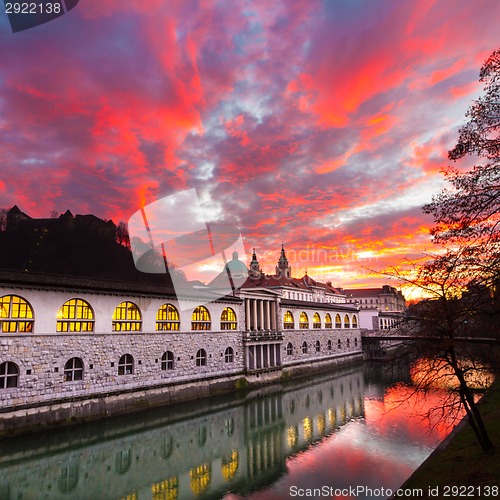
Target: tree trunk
[(473, 413)]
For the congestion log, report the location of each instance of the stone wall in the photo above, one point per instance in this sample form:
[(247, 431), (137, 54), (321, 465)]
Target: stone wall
[(350, 343), (41, 360)]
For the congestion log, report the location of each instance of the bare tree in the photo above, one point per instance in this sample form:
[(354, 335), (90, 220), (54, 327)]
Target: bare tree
[(3, 219), (467, 215), (461, 280), (122, 235), (441, 326)]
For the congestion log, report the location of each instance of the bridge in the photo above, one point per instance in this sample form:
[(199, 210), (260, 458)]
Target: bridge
[(376, 344), (401, 338)]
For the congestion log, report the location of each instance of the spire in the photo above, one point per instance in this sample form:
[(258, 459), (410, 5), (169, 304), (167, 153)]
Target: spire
[(283, 269), (254, 270), (283, 262)]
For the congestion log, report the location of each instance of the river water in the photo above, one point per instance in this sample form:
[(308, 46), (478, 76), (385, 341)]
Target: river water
[(352, 428)]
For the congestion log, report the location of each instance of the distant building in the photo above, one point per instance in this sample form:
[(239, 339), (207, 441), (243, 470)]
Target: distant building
[(385, 299)]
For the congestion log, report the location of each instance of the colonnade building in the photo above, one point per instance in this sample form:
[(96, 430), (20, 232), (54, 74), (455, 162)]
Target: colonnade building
[(108, 347)]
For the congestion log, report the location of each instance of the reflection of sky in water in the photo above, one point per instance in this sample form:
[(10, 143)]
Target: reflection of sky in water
[(278, 436), (379, 451)]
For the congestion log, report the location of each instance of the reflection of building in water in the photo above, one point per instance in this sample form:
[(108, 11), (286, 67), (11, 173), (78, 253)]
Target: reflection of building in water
[(72, 340), (236, 449)]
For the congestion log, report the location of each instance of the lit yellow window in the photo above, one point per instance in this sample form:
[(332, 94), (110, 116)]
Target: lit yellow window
[(354, 322), (321, 424), (75, 315), (228, 319), (328, 321), (304, 320), (199, 479), (338, 321), (166, 490), (307, 426), (230, 465), (167, 318), (292, 436), (316, 321), (127, 318), (288, 321), (346, 321), (16, 315), (200, 319)]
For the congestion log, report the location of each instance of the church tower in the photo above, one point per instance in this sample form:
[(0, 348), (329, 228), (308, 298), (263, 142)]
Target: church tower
[(254, 270), (283, 269)]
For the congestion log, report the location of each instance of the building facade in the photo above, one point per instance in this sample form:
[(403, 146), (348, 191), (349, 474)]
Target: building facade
[(106, 347), (385, 299)]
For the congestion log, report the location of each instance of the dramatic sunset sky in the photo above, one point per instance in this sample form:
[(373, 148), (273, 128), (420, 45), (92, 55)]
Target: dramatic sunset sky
[(322, 124)]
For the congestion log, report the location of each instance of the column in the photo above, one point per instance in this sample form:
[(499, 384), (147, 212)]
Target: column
[(261, 314), (278, 355), (272, 355), (268, 315), (247, 314), (254, 313), (273, 316)]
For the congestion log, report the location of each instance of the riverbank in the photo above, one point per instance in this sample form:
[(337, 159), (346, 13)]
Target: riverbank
[(459, 461)]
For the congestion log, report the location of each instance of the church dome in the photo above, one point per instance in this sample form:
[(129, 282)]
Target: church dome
[(236, 267)]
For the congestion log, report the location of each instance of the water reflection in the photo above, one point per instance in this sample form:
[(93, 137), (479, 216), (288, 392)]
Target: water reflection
[(321, 431)]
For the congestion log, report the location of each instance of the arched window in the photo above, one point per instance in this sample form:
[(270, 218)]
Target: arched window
[(348, 343), (123, 461), (9, 375), (167, 318), (230, 465), (304, 347), (126, 365), (68, 480), (329, 345), (292, 436), (304, 320), (355, 341), (16, 314), (73, 370), (346, 322), (229, 355), (167, 489), (328, 320), (127, 318), (318, 346), (354, 321), (199, 479), (167, 361), (316, 321), (201, 357), (228, 319), (200, 319), (338, 321), (339, 344), (75, 315), (288, 321), (289, 349)]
